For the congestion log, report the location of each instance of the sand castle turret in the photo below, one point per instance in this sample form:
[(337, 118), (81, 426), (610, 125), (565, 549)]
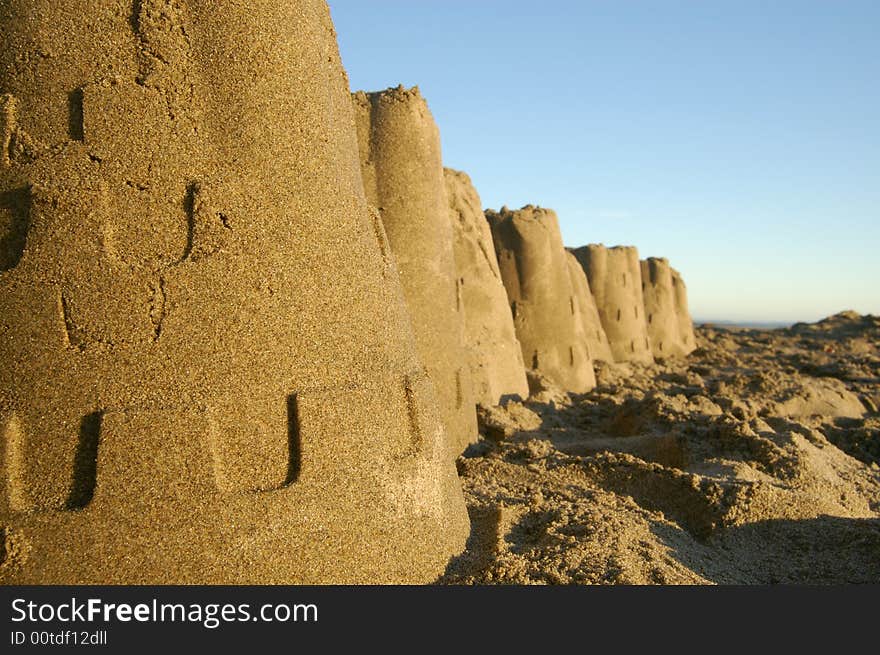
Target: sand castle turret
[(683, 313), (661, 309), (494, 353), (208, 374), (532, 262), (615, 275), (403, 176), (585, 304)]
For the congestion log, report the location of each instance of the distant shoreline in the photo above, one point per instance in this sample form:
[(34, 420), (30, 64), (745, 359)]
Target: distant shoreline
[(753, 325)]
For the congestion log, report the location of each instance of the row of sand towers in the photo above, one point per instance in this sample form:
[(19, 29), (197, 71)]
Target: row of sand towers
[(246, 317)]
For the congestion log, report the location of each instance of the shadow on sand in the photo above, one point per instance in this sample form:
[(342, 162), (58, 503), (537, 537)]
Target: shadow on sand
[(823, 550)]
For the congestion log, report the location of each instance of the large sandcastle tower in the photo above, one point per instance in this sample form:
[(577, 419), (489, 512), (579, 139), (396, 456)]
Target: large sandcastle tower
[(403, 176), (208, 374), (683, 313), (495, 357), (615, 275), (585, 304), (661, 309), (532, 262)]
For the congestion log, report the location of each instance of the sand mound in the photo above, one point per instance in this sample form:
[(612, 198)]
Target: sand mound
[(496, 363), (403, 176), (207, 363), (689, 471)]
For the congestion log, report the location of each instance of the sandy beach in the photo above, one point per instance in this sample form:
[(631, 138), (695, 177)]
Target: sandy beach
[(255, 330), (753, 461)]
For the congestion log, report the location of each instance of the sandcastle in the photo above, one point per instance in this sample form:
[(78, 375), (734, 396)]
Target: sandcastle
[(585, 304), (683, 313), (662, 310), (208, 374), (532, 262), (494, 354), (403, 176), (614, 275)]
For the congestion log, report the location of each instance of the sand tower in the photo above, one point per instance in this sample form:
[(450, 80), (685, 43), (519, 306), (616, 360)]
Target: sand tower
[(531, 259), (585, 304), (683, 314), (208, 374), (614, 275), (661, 311), (495, 357), (403, 177)]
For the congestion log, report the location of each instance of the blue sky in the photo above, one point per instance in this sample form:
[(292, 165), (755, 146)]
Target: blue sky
[(739, 139)]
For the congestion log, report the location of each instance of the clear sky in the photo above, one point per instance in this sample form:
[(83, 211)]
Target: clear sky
[(740, 139)]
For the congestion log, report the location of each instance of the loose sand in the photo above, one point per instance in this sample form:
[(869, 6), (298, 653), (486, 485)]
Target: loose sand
[(755, 460)]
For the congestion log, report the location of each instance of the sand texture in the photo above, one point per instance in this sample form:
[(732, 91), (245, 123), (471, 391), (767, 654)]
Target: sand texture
[(532, 262), (496, 362), (615, 276), (669, 323), (755, 460), (253, 332), (585, 306), (402, 170), (208, 371)]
